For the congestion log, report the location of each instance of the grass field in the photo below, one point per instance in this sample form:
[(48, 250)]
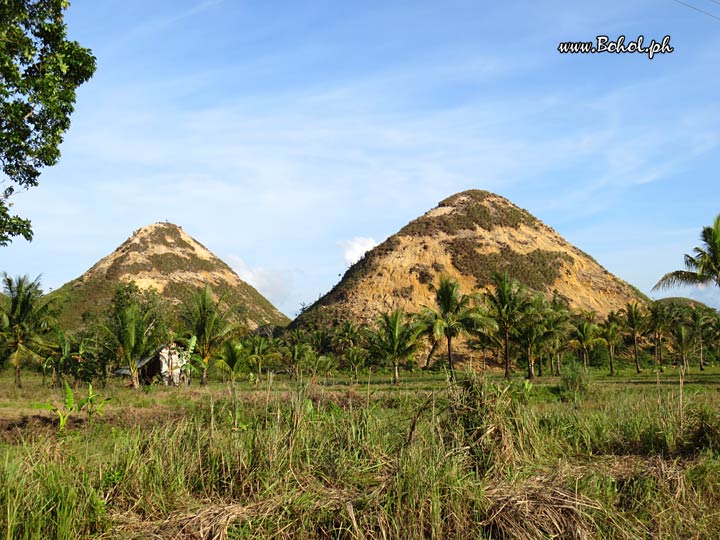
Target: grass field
[(614, 458)]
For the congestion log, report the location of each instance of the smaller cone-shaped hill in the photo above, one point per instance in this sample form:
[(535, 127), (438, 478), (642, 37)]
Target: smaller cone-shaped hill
[(164, 257)]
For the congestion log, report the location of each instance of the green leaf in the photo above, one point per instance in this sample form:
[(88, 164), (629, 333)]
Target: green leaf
[(69, 398)]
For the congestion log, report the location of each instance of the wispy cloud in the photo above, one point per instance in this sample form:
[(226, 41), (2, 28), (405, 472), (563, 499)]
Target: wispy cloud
[(274, 285), (354, 249)]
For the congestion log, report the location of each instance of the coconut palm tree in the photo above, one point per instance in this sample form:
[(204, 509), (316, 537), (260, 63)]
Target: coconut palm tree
[(585, 337), (700, 320), (660, 321), (131, 332), (701, 268), (684, 341), (356, 357), (203, 317), (231, 359), (635, 320), (532, 330), (25, 320), (395, 339), (506, 301), (714, 333), (296, 352), (611, 334), (260, 351), (557, 329), (346, 336), (455, 314)]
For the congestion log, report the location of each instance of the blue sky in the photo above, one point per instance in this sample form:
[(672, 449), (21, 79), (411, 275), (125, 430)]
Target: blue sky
[(287, 136)]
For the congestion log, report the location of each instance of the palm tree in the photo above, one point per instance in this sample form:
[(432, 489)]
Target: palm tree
[(557, 327), (610, 332), (532, 330), (260, 350), (699, 321), (231, 359), (346, 336), (60, 360), (702, 268), (204, 318), (356, 356), (636, 323), (507, 302), (456, 314), (586, 336), (660, 320), (296, 352), (25, 318), (394, 339), (684, 341), (131, 333), (714, 333)]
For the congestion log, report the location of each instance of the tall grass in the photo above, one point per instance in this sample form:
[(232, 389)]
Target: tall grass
[(467, 460)]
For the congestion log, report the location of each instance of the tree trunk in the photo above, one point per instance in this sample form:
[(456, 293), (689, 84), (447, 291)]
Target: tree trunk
[(203, 379), (585, 358), (430, 354), (611, 350), (559, 366), (18, 382), (396, 371), (531, 367), (657, 350), (450, 359), (637, 359), (135, 378), (702, 364), (661, 351), (506, 343)]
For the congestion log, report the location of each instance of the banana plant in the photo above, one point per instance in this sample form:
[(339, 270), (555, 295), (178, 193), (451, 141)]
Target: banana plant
[(93, 404), (66, 410)]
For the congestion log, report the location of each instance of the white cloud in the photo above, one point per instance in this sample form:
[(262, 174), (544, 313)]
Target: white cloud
[(354, 249), (273, 285)]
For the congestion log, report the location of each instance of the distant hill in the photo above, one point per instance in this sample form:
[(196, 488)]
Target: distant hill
[(164, 257), (683, 301), (469, 236)]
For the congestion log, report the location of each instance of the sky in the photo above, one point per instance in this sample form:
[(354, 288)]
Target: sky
[(289, 137)]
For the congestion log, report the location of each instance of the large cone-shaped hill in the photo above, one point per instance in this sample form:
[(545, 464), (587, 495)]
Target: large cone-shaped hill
[(469, 236), (164, 257)]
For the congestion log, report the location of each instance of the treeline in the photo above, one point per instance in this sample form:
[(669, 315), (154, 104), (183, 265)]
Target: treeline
[(507, 326)]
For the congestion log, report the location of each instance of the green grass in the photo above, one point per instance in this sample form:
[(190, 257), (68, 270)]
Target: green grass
[(425, 459)]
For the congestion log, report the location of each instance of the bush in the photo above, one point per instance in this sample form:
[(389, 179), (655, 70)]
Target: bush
[(574, 381)]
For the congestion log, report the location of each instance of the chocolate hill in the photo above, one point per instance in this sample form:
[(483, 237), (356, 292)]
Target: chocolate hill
[(164, 257), (469, 236)]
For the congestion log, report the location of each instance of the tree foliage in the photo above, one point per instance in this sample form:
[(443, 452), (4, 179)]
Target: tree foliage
[(133, 327), (507, 302), (204, 317), (394, 340), (703, 266), (40, 70), (25, 320), (455, 313)]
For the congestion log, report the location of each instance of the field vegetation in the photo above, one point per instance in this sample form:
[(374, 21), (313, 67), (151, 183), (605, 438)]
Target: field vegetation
[(578, 456)]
